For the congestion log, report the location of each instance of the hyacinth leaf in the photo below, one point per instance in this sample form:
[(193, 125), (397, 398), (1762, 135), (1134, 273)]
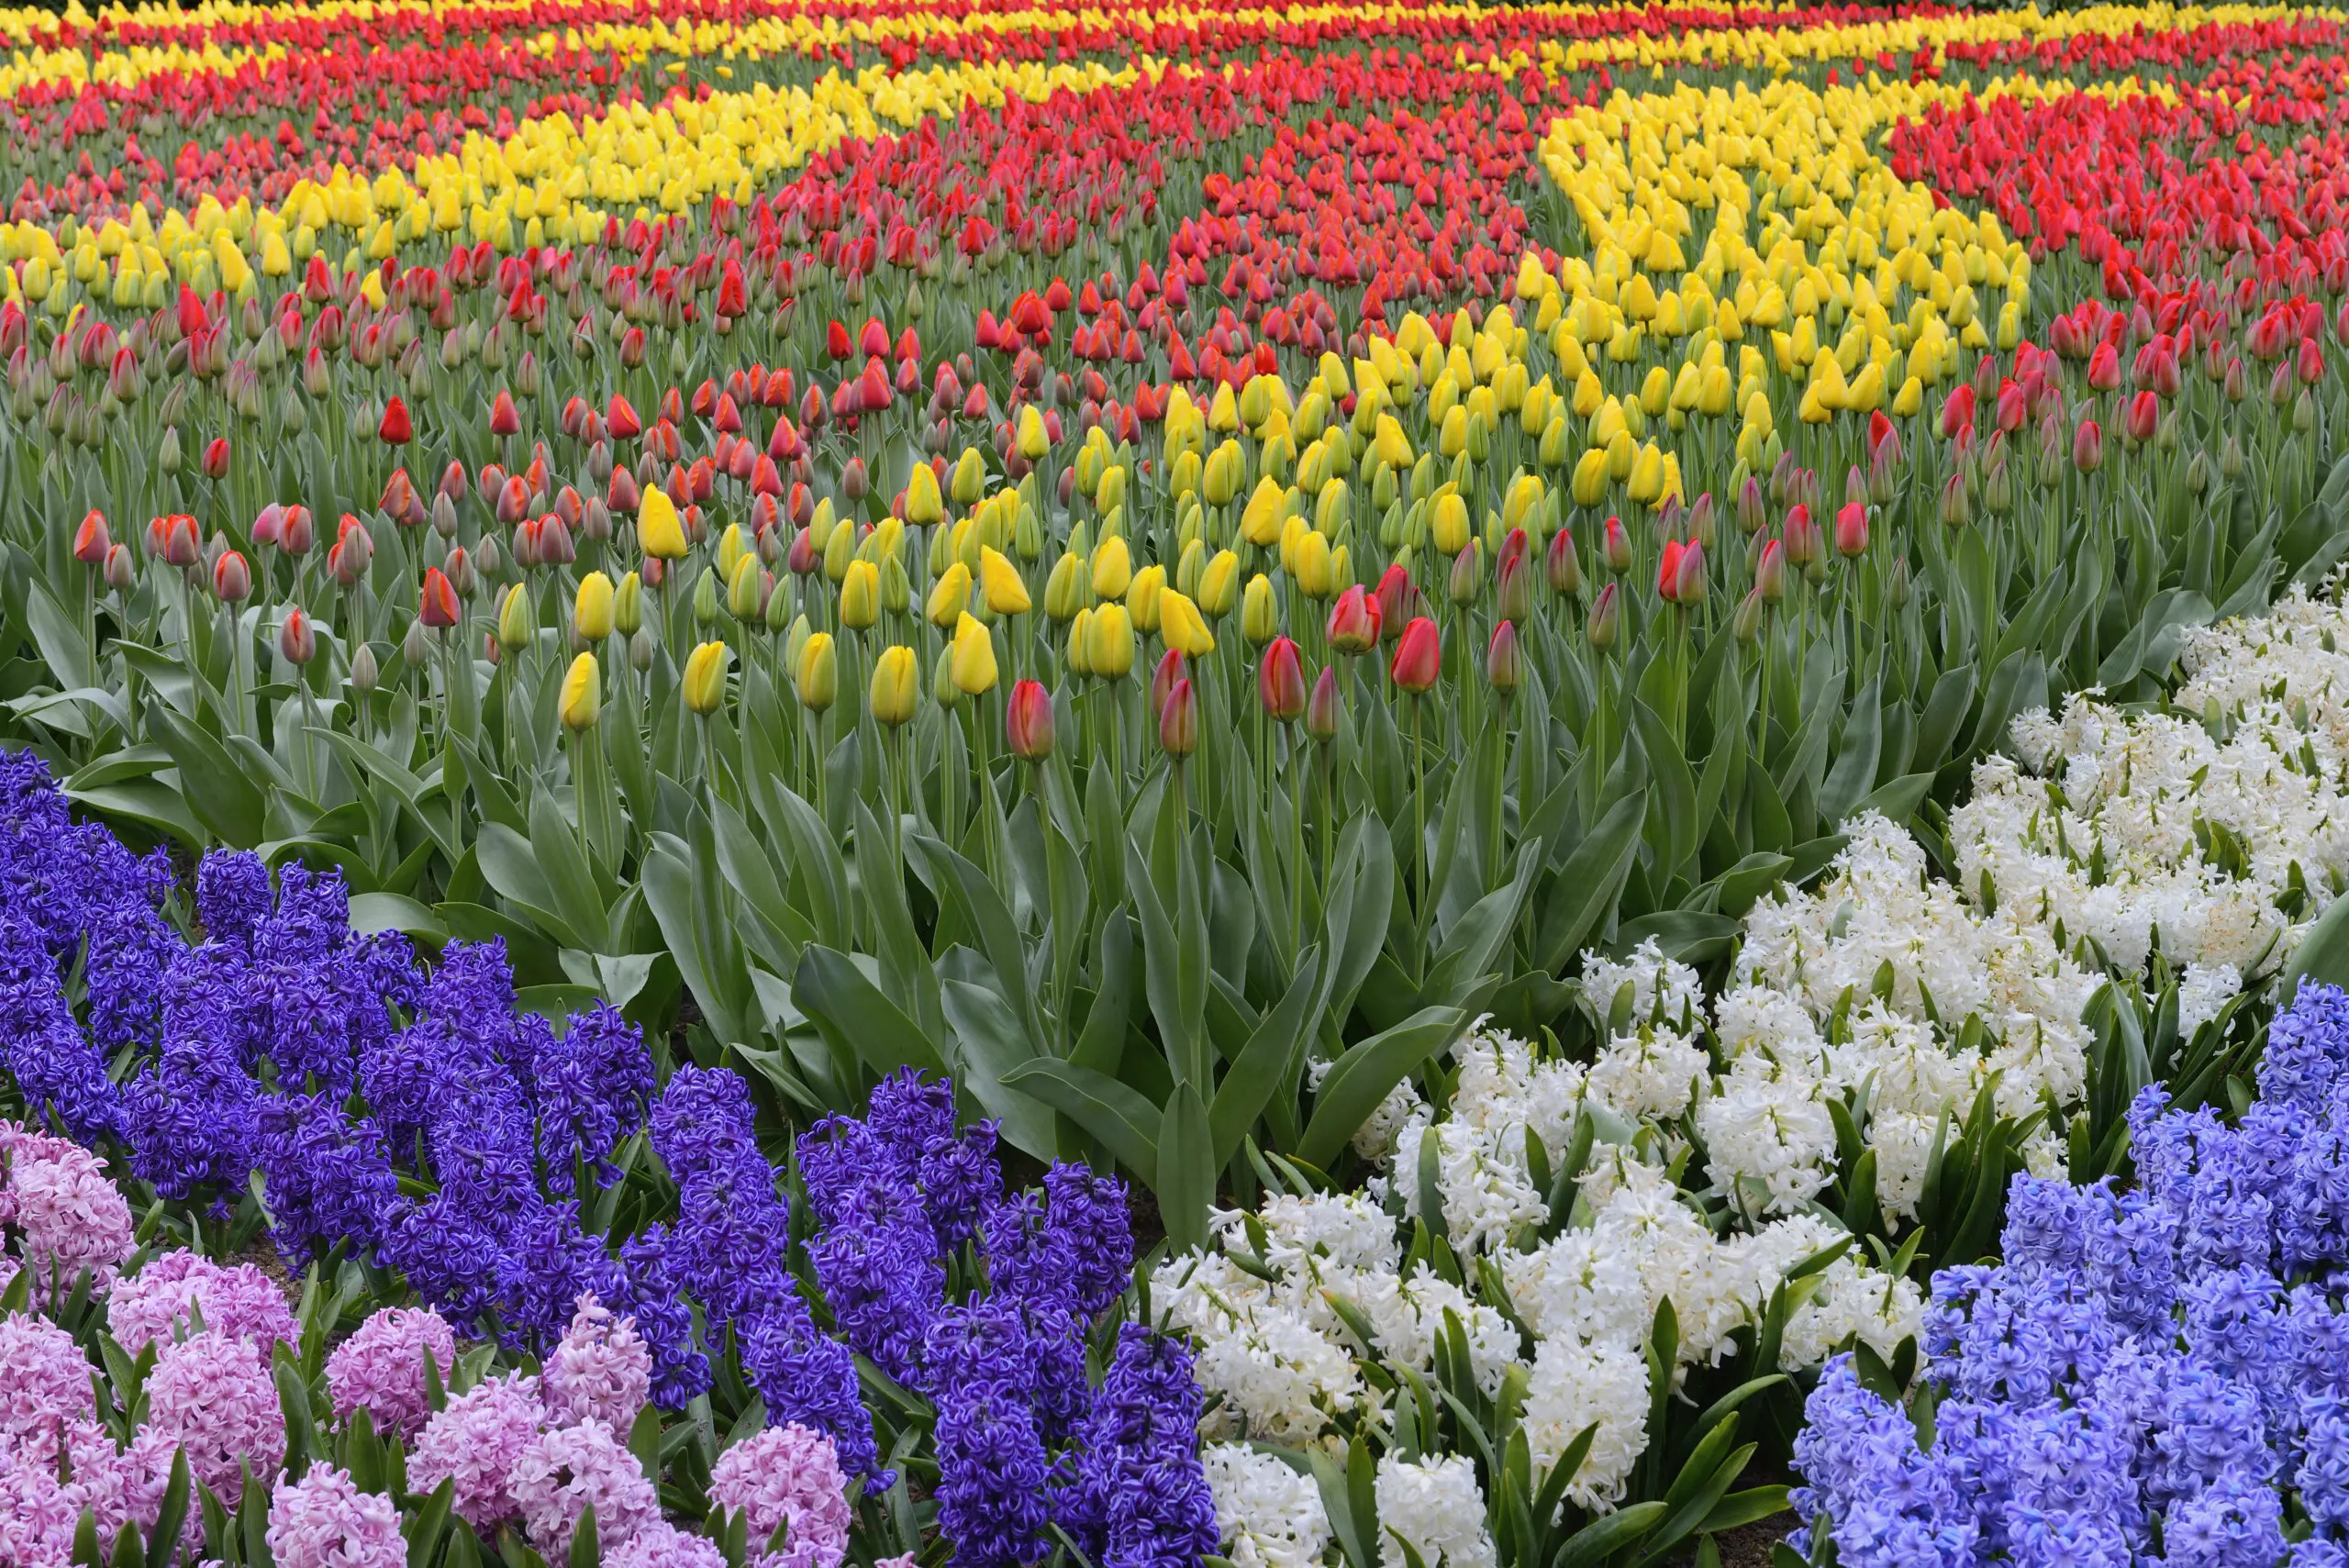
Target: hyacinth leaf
[(253, 1515), (2323, 955), (585, 1550), (1601, 1538), (1689, 1515), (362, 1452), (85, 1551), (1119, 1118), (130, 1551), (428, 1523), (1368, 1071), (171, 1514)]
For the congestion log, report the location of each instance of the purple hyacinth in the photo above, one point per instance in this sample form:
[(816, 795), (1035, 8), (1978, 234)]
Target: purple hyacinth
[(1138, 1497), (992, 1476)]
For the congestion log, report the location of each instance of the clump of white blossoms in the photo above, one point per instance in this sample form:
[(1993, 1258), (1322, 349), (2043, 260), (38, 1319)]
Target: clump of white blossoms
[(1297, 1297)]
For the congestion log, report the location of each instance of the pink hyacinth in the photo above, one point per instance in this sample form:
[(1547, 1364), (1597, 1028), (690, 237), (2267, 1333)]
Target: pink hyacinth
[(70, 1216), (660, 1544), (44, 1381), (37, 1515), (121, 1486), (568, 1470), (788, 1474), (601, 1370), (478, 1437), (214, 1397), (238, 1303), (324, 1521), (380, 1369)]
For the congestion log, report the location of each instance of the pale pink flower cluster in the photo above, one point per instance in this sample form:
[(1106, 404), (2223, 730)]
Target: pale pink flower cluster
[(570, 1469), (212, 1395), (476, 1439), (46, 1401), (602, 1370), (324, 1521), (59, 1214), (163, 1300), (380, 1369), (787, 1475)]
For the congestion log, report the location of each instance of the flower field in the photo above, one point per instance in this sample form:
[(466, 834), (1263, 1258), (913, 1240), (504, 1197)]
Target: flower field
[(794, 784)]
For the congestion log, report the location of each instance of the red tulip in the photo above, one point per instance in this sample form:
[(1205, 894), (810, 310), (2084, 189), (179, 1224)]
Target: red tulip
[(1770, 571), (1418, 656), (1323, 707), (1852, 530), (1280, 680), (505, 420), (835, 341), (1170, 670), (620, 417), (2311, 361), (1958, 411), (1688, 579), (1355, 621), (183, 546), (1566, 571), (121, 572), (232, 580), (1178, 721), (1028, 721), (1667, 571), (395, 429), (1395, 602), (295, 639), (439, 608), (215, 458), (2104, 368), (91, 542), (2145, 417), (1801, 536), (1503, 660), (2088, 447), (1618, 547)]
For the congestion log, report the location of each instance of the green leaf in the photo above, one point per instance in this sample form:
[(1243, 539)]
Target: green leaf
[(512, 867), (562, 862), (373, 912), (990, 1043), (2323, 955), (214, 786), (587, 1552), (1584, 893), (426, 1526), (1898, 799), (853, 1014), (961, 885), (1263, 1062), (1854, 768), (149, 802), (1368, 1071), (1675, 832), (1472, 944), (163, 1541), (816, 857), (1112, 1112), (1176, 959), (1601, 1538), (1186, 1166)]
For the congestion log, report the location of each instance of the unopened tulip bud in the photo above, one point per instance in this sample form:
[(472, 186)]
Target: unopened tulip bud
[(1109, 643), (660, 531), (1688, 577), (120, 570), (1418, 656), (364, 675), (704, 677), (583, 694), (1259, 615), (298, 641), (1171, 668), (1895, 586), (1504, 659), (1752, 508), (1028, 721), (897, 684), (704, 598), (298, 532), (1280, 680), (1000, 584), (1957, 502), (1467, 576), (437, 604), (1801, 536), (972, 657), (2088, 447), (1354, 622), (1606, 617), (1323, 707), (1746, 624), (232, 580), (1770, 571), (91, 542), (1515, 600), (395, 429), (414, 647), (1852, 530), (1564, 568), (1618, 547), (1178, 721)]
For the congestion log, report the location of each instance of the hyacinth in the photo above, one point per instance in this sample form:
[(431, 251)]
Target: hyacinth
[(591, 1086), (162, 1299), (477, 1440), (327, 1174), (1139, 1497), (992, 1478), (44, 1379), (787, 1476), (567, 1470), (659, 1544), (599, 1371), (65, 1215), (324, 1521), (213, 1396), (2168, 1362), (380, 1368)]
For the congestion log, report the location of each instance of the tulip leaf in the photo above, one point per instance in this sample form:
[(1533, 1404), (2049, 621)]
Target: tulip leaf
[(513, 869), (1111, 1111), (1184, 1180), (1853, 772), (1368, 1071), (1102, 1043), (64, 647), (2323, 955), (1359, 896), (682, 885), (816, 858), (215, 788), (1896, 799), (854, 1012), (1175, 974), (150, 802), (1474, 943), (1262, 1064), (906, 967), (1691, 936), (989, 1043), (772, 927), (2016, 684), (1741, 886), (1584, 893), (562, 862), (373, 912), (961, 886), (1944, 711)]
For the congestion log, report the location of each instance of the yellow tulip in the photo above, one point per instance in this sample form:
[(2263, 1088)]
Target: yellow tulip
[(1142, 596), (897, 683), (999, 581), (1112, 568), (1182, 627), (923, 504), (1259, 616), (1260, 523), (972, 657), (591, 608), (860, 596), (704, 680), (516, 625), (1219, 582), (659, 532), (949, 596), (1110, 642), (582, 692), (1065, 589), (815, 675)]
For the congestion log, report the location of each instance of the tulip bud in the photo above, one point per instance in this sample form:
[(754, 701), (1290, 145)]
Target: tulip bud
[(897, 684), (1354, 622), (1852, 530), (582, 692), (1503, 660), (1957, 502), (1219, 583), (1109, 643), (232, 580), (1259, 615), (91, 542), (1418, 656), (1688, 577), (395, 429), (364, 675), (1566, 570), (704, 677), (1605, 618), (1323, 707), (1618, 547), (1515, 600), (1005, 591), (1752, 512), (860, 596), (972, 657), (1170, 669), (2088, 447), (297, 641), (1178, 721), (1467, 575), (120, 570), (438, 607), (1280, 680), (1770, 571), (1801, 536), (1028, 721)]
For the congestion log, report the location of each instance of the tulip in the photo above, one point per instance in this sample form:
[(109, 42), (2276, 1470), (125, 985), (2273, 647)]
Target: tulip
[(2088, 447), (860, 596), (1178, 721), (297, 642), (438, 606), (215, 461), (659, 532), (1514, 601), (591, 608), (1503, 660), (1605, 616), (1770, 571), (121, 572), (1688, 577), (91, 542), (232, 580), (1618, 547), (1801, 536), (897, 683), (924, 506), (705, 678), (516, 625), (1355, 622), (950, 597), (1028, 721), (2144, 418), (1181, 627), (1418, 656), (1323, 707), (582, 692), (1565, 569), (1746, 624), (1852, 530), (1397, 601), (396, 430), (1112, 568), (1280, 680), (815, 675), (1219, 583), (972, 658), (1259, 616), (1171, 668), (504, 418), (1667, 571), (1109, 643), (1000, 584)]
